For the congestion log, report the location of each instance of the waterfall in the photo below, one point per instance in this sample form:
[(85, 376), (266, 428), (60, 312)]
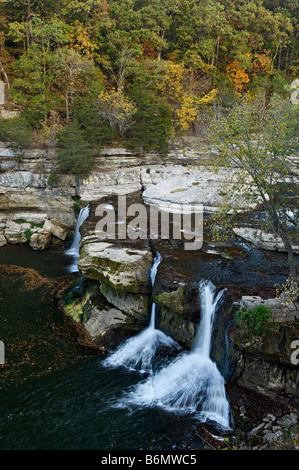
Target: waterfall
[(137, 353), (74, 248), (191, 383), (157, 261)]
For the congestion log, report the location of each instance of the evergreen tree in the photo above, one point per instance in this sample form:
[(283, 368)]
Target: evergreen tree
[(74, 154)]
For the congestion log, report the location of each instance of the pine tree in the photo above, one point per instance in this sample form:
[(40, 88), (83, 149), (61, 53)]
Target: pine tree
[(74, 154)]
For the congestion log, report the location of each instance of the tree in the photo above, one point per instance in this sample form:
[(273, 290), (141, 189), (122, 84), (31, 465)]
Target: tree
[(157, 17), (33, 88), (260, 141), (152, 125), (74, 154), (70, 67), (116, 108)]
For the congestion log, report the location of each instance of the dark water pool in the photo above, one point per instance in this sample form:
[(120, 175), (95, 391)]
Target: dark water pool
[(54, 393)]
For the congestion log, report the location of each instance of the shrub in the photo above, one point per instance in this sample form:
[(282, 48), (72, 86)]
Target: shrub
[(16, 131), (257, 320)]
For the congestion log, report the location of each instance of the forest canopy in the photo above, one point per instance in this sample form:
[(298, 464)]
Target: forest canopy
[(140, 70)]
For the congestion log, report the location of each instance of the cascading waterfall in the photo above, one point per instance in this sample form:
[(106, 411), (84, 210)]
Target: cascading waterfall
[(192, 383), (74, 250), (137, 353)]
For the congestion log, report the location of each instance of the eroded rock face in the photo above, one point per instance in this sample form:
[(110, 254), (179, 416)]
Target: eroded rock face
[(264, 363), (99, 317), (125, 269), (171, 186), (111, 183), (136, 305), (34, 194), (266, 241)]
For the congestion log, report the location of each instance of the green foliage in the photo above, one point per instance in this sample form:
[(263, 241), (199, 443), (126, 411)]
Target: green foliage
[(152, 124), (257, 320), (264, 162), (33, 224), (77, 205), (74, 154), (60, 56), (28, 234), (53, 179), (97, 131), (16, 131)]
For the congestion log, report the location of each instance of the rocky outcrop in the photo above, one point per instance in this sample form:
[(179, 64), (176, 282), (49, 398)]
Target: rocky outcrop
[(179, 309), (3, 240), (264, 363), (124, 269), (136, 305), (281, 312), (17, 233), (31, 192), (97, 315), (121, 268), (38, 236), (263, 240), (109, 183)]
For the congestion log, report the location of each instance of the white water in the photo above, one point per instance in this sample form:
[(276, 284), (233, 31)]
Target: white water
[(74, 248), (138, 352), (191, 383)]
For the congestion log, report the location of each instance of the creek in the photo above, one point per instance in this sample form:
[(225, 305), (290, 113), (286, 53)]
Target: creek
[(55, 393)]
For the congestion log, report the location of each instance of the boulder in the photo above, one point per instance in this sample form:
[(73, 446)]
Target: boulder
[(174, 300), (17, 233), (3, 240), (56, 228), (123, 268), (40, 240), (101, 320), (266, 241)]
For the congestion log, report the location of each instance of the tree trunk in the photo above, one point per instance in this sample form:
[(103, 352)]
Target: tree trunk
[(285, 239), (67, 107), (2, 70)]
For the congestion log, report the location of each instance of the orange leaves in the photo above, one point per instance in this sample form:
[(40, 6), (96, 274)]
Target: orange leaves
[(262, 64), (237, 75)]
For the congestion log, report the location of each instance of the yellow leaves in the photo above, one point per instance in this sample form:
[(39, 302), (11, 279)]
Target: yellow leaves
[(116, 108), (80, 40), (173, 89), (172, 86), (208, 98), (187, 112), (289, 291), (237, 75)]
